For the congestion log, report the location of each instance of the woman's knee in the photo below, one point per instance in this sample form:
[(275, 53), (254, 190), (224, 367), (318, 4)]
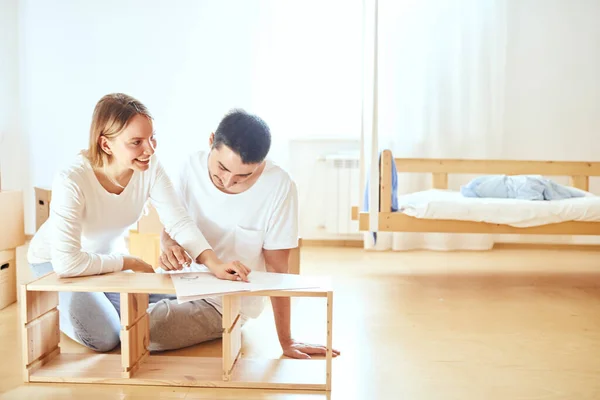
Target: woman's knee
[(102, 343), (94, 320)]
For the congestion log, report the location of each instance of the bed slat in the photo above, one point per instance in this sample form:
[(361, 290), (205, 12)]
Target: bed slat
[(580, 182), (399, 222), (439, 180), (493, 167)]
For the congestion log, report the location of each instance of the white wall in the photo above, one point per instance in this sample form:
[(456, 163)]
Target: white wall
[(552, 108), (12, 144), (316, 187), (193, 62), (553, 79), (189, 61), (75, 52)]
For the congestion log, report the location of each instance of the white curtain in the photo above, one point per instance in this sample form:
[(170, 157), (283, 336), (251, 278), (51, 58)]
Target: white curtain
[(485, 79), (441, 94)]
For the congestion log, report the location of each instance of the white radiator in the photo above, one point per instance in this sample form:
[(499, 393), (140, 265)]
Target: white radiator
[(341, 192)]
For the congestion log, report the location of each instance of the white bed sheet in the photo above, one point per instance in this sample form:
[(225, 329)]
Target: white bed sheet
[(452, 205)]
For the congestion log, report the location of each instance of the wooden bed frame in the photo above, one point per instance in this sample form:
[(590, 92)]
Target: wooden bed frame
[(389, 221), (43, 360)]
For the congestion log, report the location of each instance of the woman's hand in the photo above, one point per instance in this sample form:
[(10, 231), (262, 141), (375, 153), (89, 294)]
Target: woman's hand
[(137, 265), (174, 258)]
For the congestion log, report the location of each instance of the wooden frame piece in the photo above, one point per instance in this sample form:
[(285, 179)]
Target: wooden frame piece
[(294, 259), (135, 331), (388, 221), (232, 334), (40, 329), (43, 361)]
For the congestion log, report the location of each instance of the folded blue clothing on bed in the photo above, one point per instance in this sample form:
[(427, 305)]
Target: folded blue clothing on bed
[(524, 187)]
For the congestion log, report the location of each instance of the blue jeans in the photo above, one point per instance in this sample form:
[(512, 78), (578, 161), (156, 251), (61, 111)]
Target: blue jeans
[(93, 319)]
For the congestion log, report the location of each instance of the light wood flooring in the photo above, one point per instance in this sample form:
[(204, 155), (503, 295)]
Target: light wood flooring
[(506, 324)]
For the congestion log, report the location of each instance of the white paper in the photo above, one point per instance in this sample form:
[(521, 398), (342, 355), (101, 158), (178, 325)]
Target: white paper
[(197, 285)]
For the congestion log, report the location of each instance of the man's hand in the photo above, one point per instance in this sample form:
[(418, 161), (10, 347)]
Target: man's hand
[(233, 271), (136, 264), (277, 261), (174, 258), (295, 349)]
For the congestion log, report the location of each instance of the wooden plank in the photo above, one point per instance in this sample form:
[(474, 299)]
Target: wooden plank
[(329, 352), (131, 372), (185, 371), (232, 347), (294, 261), (150, 223), (581, 182), (508, 167), (399, 222), (41, 336), (34, 366), (354, 213), (320, 292), (439, 180), (124, 282), (231, 311), (135, 331), (333, 243), (40, 329), (145, 246), (23, 316), (119, 282), (38, 303), (133, 307), (385, 195)]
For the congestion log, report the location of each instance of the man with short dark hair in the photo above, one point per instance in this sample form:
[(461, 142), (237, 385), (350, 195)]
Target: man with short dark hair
[(247, 208)]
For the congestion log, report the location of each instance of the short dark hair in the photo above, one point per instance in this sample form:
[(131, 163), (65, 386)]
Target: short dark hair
[(246, 134)]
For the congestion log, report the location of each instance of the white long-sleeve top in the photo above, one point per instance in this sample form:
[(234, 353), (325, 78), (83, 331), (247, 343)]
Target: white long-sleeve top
[(84, 234)]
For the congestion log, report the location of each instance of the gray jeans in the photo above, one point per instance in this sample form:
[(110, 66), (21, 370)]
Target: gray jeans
[(93, 319)]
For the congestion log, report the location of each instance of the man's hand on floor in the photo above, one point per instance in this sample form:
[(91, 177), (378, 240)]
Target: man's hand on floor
[(296, 349)]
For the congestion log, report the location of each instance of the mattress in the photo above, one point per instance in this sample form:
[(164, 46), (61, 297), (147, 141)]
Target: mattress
[(452, 205)]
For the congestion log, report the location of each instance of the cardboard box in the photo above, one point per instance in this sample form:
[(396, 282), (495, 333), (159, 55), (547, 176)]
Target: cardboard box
[(42, 205), (8, 278), (12, 219), (150, 223)]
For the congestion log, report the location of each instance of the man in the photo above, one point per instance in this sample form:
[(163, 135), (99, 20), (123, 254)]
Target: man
[(247, 208)]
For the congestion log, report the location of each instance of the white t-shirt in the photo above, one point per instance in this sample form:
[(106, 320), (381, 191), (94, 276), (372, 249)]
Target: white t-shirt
[(84, 234), (239, 226)]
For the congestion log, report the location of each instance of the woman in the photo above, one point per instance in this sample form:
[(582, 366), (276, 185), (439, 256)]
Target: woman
[(95, 200)]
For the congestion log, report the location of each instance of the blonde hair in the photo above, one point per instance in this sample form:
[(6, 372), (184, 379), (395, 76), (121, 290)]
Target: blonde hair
[(111, 115)]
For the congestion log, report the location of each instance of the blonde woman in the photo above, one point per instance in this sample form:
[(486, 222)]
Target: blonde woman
[(95, 199)]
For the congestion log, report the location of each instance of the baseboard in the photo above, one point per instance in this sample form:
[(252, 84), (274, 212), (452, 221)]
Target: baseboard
[(546, 246), (331, 243), (497, 246)]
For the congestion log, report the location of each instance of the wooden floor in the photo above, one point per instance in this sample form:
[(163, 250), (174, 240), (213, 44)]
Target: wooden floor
[(506, 324)]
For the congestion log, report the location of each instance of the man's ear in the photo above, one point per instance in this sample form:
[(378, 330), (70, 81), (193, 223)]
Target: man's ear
[(211, 139), (104, 145)]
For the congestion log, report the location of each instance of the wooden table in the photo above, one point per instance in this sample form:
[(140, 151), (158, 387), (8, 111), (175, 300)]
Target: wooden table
[(44, 362)]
